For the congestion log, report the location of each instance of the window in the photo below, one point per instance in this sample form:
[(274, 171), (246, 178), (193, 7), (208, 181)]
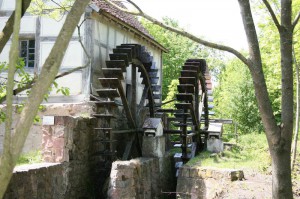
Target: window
[(27, 50)]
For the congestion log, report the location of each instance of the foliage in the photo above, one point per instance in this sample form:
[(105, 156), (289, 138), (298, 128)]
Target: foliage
[(251, 152), (179, 50), (50, 8), (23, 78), (30, 158), (172, 91), (235, 94), (234, 98)]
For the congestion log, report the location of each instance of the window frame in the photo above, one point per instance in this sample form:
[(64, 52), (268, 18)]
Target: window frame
[(28, 53)]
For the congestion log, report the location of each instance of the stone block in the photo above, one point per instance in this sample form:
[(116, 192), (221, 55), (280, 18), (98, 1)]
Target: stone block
[(215, 145), (153, 146)]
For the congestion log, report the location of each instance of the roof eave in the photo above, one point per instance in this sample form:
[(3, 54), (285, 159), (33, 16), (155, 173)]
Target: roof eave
[(132, 29)]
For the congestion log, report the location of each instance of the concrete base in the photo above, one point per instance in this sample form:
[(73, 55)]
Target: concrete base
[(215, 145), (154, 146)]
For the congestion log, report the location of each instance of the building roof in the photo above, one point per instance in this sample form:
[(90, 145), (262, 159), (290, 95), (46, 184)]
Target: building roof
[(126, 18)]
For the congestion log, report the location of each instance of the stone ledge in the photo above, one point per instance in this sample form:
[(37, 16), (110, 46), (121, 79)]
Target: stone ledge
[(27, 167), (211, 172)]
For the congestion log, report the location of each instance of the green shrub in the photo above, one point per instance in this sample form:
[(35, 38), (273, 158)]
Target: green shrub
[(30, 158)]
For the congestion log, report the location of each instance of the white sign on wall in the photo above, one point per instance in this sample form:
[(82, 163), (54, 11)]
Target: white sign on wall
[(48, 120)]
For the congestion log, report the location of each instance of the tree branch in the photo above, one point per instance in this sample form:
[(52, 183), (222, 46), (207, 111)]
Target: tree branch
[(8, 28), (31, 83), (296, 20), (13, 57), (274, 18), (181, 32)]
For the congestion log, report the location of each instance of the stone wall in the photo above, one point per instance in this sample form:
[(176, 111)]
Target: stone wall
[(142, 178), (34, 138), (68, 142), (46, 180), (204, 182)]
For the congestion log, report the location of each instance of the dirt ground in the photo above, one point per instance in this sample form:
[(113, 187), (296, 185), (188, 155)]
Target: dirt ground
[(254, 186)]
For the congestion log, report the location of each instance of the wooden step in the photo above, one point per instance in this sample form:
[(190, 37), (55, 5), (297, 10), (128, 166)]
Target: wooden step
[(189, 73), (104, 116), (183, 105), (187, 80), (191, 67), (185, 97), (106, 104), (136, 49), (108, 93), (113, 73), (156, 88), (109, 82), (182, 115), (116, 64), (155, 96), (186, 88), (170, 110), (119, 56), (153, 80), (127, 51)]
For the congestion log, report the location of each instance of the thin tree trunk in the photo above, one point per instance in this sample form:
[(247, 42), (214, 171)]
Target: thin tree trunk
[(13, 56), (47, 75), (8, 28), (280, 152), (279, 139), (296, 132)]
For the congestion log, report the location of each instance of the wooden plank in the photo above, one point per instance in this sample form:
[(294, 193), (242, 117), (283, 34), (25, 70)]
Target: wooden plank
[(116, 64), (119, 56), (127, 51), (187, 80), (188, 73), (186, 88), (109, 82), (109, 93), (113, 73), (185, 97)]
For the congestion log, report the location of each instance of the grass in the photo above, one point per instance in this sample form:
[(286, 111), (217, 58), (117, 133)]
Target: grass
[(30, 158), (251, 152)]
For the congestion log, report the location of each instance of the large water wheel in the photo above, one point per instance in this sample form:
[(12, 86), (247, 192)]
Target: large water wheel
[(128, 62), (190, 121)]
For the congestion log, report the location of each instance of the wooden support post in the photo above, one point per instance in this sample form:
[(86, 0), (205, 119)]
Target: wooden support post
[(133, 92)]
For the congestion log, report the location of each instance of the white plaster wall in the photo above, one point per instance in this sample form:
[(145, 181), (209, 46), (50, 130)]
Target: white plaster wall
[(3, 21), (28, 24), (51, 27), (73, 81), (5, 53), (8, 5), (73, 58)]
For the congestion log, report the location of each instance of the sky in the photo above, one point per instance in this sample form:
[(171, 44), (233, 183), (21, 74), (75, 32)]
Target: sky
[(216, 20)]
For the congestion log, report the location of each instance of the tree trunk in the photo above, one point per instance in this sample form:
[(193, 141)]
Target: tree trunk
[(38, 91), (281, 173), (296, 132), (279, 139)]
